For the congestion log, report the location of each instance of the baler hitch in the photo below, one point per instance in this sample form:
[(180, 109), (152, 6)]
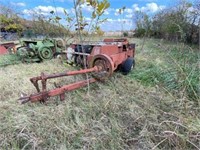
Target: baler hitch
[(43, 94)]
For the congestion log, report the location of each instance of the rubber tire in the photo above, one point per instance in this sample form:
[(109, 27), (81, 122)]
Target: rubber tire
[(40, 53), (127, 65)]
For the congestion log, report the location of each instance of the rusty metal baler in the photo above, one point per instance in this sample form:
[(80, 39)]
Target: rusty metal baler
[(101, 59)]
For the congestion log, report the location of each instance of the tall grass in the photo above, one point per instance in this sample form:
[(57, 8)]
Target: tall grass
[(9, 59), (144, 110), (172, 67)]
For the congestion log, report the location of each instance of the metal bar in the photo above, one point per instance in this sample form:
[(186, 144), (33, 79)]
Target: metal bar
[(35, 83), (44, 78), (70, 73), (78, 53), (44, 86), (58, 91)]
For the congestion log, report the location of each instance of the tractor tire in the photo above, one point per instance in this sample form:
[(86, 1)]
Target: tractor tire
[(127, 65), (60, 43), (45, 53)]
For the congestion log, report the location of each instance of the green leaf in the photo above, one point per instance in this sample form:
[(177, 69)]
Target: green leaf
[(52, 12), (100, 8), (65, 12), (94, 15), (120, 11), (69, 19), (85, 24), (107, 4), (58, 18), (104, 20)]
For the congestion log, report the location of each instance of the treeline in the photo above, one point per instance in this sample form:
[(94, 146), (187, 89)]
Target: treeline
[(179, 23), (11, 22), (52, 25)]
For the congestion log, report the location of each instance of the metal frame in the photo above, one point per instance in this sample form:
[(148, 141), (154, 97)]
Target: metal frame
[(102, 62)]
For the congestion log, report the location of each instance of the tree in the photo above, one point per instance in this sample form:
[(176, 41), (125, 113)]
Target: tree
[(177, 23), (9, 25), (99, 7), (10, 21), (143, 24)]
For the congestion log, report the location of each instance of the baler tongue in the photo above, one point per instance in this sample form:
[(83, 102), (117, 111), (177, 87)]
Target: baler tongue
[(24, 99), (101, 69), (44, 95)]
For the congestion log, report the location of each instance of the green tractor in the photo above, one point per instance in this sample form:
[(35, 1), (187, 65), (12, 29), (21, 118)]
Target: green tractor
[(39, 50)]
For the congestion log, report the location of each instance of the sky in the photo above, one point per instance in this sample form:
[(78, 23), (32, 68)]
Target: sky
[(115, 21)]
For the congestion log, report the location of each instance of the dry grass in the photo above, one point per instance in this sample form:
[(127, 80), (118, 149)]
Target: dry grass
[(122, 113)]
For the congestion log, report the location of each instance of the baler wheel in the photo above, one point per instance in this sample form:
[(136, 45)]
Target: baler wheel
[(45, 53), (128, 64), (105, 64)]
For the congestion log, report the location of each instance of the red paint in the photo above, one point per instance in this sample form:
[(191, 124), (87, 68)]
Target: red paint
[(4, 47), (102, 62), (3, 50)]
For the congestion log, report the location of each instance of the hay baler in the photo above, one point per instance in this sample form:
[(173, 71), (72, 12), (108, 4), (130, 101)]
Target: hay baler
[(100, 59)]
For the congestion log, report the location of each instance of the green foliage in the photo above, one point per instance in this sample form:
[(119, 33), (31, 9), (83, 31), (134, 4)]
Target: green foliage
[(140, 32), (125, 34), (11, 59), (9, 24), (14, 27), (172, 68), (98, 9), (101, 7), (178, 23), (99, 32), (49, 27), (122, 113), (144, 24), (59, 28), (171, 22), (178, 72)]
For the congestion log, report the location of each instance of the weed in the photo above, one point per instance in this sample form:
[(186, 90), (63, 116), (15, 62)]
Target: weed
[(9, 59), (148, 109), (175, 69)]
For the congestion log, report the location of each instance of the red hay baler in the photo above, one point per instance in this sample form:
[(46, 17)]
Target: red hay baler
[(99, 58)]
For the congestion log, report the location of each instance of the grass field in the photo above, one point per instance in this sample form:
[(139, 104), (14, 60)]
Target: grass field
[(9, 59), (156, 106)]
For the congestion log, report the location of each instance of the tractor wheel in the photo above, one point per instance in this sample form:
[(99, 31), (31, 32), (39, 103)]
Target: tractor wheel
[(127, 65), (60, 43), (45, 53)]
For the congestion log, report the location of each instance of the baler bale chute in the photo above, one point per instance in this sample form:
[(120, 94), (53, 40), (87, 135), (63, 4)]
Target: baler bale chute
[(102, 59)]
